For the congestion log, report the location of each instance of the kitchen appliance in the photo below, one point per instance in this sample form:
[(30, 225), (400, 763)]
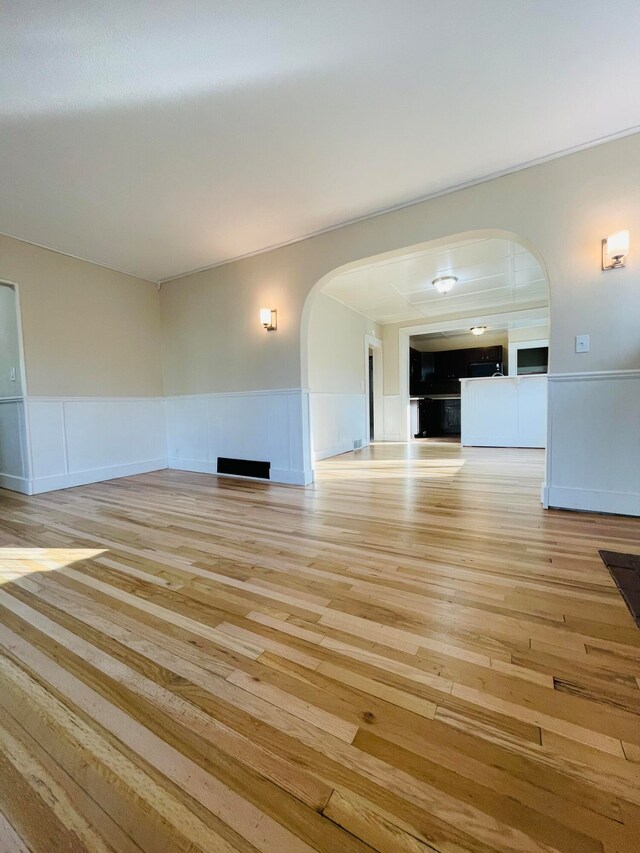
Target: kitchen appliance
[(484, 368)]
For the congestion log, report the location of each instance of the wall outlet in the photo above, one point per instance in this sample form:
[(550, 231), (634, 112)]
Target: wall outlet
[(582, 343), (12, 374)]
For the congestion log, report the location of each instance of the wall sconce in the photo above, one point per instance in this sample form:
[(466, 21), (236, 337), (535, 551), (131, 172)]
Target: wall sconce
[(615, 249), (269, 318)]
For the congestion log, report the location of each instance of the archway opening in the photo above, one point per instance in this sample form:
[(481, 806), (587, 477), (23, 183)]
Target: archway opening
[(389, 306)]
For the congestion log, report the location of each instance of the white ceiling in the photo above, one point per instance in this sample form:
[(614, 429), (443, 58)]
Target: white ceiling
[(492, 275), (160, 137)]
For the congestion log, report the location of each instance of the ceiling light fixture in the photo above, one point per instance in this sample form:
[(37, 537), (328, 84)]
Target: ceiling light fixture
[(444, 283), (615, 249), (478, 330)]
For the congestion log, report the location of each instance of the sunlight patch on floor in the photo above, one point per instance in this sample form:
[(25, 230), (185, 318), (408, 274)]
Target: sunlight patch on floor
[(413, 469), (18, 562)]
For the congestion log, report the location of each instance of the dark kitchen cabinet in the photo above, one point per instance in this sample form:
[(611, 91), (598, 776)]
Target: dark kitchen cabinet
[(438, 418), (415, 372), (450, 365), (450, 420), (478, 354), (488, 353), (440, 372), (454, 364)]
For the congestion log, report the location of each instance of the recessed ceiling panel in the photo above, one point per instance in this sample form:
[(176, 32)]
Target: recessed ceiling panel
[(495, 276)]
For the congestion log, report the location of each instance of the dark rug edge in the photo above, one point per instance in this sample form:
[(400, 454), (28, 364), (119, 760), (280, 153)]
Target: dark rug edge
[(625, 571)]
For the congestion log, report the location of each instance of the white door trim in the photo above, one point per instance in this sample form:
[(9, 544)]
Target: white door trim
[(375, 344)]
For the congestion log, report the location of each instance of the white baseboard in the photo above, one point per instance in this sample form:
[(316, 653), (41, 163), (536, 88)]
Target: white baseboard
[(591, 500), (291, 477), (15, 484), (94, 475), (336, 450)]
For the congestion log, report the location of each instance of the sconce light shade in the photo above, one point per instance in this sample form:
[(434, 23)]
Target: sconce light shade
[(269, 318), (615, 249)]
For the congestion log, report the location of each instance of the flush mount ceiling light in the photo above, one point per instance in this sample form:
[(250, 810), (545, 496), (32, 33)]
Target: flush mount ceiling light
[(615, 249), (444, 283), (478, 330)]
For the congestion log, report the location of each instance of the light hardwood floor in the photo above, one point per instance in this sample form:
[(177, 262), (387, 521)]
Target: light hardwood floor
[(409, 655)]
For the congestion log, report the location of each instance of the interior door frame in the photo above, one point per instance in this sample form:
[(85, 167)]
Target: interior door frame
[(23, 397), (375, 344)]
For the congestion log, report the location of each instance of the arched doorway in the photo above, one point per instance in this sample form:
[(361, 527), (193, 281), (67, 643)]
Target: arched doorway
[(502, 284)]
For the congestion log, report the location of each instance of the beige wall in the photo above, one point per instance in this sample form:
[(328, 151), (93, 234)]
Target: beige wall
[(87, 330), (560, 210), (531, 333), (336, 347), (213, 340), (9, 344)]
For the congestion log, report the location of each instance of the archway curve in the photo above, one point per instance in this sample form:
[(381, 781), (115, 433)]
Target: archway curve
[(434, 243), (398, 253)]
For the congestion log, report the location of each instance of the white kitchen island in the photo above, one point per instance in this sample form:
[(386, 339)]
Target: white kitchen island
[(504, 411)]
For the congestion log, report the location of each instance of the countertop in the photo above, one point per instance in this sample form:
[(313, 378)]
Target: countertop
[(522, 378), (436, 397)]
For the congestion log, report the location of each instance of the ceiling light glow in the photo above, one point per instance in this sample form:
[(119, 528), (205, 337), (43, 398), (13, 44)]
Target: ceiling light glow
[(444, 283)]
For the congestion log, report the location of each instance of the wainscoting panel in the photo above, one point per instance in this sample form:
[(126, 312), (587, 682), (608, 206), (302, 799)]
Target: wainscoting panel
[(85, 440), (593, 461), (392, 429), (262, 425), (337, 421), (14, 464)]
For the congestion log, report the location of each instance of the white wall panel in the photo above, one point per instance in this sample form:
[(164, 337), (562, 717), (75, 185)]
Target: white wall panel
[(14, 466), (392, 418), (533, 395), (105, 434), (76, 441), (337, 420), (266, 426), (47, 435), (594, 430)]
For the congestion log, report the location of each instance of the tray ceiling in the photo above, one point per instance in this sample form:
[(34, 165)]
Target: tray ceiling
[(492, 275)]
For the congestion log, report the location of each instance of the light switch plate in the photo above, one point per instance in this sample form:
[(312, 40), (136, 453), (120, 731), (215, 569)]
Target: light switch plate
[(582, 343)]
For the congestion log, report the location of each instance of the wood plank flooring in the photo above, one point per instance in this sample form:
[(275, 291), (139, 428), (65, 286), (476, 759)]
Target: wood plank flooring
[(411, 655)]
